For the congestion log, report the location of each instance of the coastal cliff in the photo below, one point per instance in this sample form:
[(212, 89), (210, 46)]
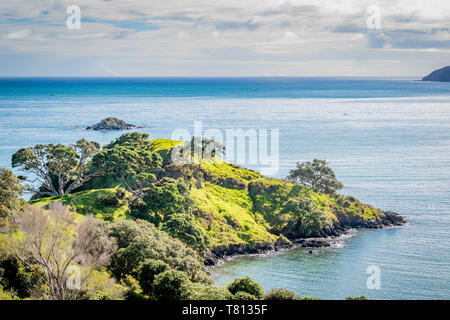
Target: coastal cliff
[(441, 75)]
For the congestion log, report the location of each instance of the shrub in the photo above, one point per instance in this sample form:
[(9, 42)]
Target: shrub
[(182, 226), (241, 295), (108, 199), (140, 240), (199, 291), (171, 285), (23, 280), (148, 270), (100, 286), (7, 295), (134, 291), (246, 284), (356, 298), (281, 294), (121, 193), (10, 191)]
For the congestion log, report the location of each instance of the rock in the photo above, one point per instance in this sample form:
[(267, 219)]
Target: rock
[(442, 75), (392, 219), (110, 124), (312, 243), (218, 253)]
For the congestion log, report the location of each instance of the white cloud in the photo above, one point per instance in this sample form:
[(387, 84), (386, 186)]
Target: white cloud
[(270, 32), (18, 34)]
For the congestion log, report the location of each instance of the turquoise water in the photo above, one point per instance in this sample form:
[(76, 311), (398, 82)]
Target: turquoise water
[(387, 140)]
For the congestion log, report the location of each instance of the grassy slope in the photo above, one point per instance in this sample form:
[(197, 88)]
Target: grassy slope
[(239, 211), (89, 202)]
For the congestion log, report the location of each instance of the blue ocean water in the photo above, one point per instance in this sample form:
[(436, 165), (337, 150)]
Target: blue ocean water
[(388, 141)]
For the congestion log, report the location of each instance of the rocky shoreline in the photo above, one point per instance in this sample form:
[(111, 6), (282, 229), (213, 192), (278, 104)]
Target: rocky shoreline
[(322, 239)]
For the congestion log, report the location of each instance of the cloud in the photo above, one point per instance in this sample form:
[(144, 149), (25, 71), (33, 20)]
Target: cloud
[(18, 34), (226, 33)]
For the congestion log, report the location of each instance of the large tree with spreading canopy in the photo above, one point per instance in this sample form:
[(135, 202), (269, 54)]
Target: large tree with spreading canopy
[(58, 169)]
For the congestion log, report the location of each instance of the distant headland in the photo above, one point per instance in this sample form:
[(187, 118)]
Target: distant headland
[(110, 124), (442, 75)]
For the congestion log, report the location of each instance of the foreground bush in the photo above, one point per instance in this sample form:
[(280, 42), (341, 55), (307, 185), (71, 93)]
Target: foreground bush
[(246, 285), (198, 291), (59, 245), (148, 271), (281, 294), (140, 240), (171, 285)]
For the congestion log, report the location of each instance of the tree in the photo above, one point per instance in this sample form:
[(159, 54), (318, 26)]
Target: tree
[(182, 226), (205, 148), (247, 285), (241, 295), (198, 291), (140, 240), (171, 285), (60, 247), (281, 294), (10, 190), (132, 164), (130, 139), (58, 168), (301, 217), (163, 199), (190, 155), (148, 270), (316, 175)]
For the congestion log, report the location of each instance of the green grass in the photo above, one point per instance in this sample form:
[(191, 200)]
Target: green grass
[(221, 169), (163, 144), (163, 147), (89, 202), (227, 216)]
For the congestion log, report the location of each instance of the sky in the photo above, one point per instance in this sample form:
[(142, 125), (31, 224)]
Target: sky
[(228, 38)]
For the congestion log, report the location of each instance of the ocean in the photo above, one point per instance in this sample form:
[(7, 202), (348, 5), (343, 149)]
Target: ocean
[(388, 141)]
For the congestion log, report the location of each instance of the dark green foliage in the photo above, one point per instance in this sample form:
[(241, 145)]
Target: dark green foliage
[(316, 175), (241, 295), (182, 226), (148, 270), (167, 197), (134, 290), (302, 217), (246, 284), (356, 298), (108, 200), (18, 278), (281, 294), (130, 139), (131, 162), (10, 190), (140, 240), (171, 285), (162, 199), (60, 169), (198, 291)]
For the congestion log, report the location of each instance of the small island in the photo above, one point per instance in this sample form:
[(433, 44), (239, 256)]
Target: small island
[(441, 75), (111, 124)]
